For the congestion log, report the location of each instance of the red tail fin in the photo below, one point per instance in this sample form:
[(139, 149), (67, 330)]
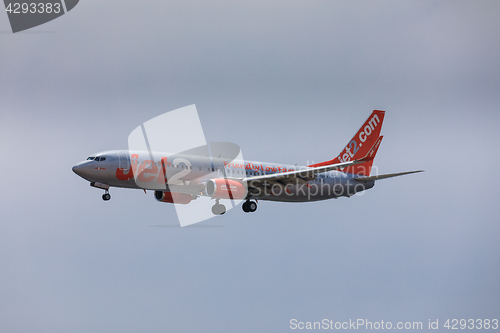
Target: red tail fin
[(365, 168), (360, 145)]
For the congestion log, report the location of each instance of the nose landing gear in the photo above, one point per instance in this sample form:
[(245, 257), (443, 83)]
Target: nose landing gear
[(249, 206), (106, 196)]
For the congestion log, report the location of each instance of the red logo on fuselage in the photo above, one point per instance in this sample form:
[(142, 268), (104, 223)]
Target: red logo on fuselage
[(146, 171)]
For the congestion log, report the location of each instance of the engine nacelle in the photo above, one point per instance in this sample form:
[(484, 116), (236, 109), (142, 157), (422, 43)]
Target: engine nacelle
[(173, 197), (220, 188)]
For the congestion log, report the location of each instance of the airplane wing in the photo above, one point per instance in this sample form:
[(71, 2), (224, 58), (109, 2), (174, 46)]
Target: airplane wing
[(389, 175), (258, 183)]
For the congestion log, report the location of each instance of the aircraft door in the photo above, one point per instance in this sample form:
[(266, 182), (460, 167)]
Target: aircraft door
[(123, 161)]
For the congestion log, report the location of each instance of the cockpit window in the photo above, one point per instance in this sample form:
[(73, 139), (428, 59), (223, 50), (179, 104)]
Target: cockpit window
[(97, 159)]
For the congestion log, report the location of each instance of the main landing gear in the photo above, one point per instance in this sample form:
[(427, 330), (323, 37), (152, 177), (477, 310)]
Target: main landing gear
[(106, 196), (218, 209), (249, 206)]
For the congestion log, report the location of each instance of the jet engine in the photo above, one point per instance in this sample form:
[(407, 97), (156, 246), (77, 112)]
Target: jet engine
[(173, 197), (220, 188)]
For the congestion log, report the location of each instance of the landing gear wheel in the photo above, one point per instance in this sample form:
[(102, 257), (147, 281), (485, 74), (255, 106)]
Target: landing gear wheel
[(218, 209), (252, 206), (106, 196), (249, 206)]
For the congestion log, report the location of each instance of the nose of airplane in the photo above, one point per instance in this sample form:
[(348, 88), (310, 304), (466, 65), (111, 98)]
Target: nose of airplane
[(84, 170), (77, 169)]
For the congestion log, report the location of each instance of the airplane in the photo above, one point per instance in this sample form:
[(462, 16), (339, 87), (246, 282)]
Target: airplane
[(183, 177)]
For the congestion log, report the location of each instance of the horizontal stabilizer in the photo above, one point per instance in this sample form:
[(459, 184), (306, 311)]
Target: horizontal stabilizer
[(389, 175)]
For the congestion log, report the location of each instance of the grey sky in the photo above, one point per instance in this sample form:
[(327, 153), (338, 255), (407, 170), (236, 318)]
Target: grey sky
[(290, 82)]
